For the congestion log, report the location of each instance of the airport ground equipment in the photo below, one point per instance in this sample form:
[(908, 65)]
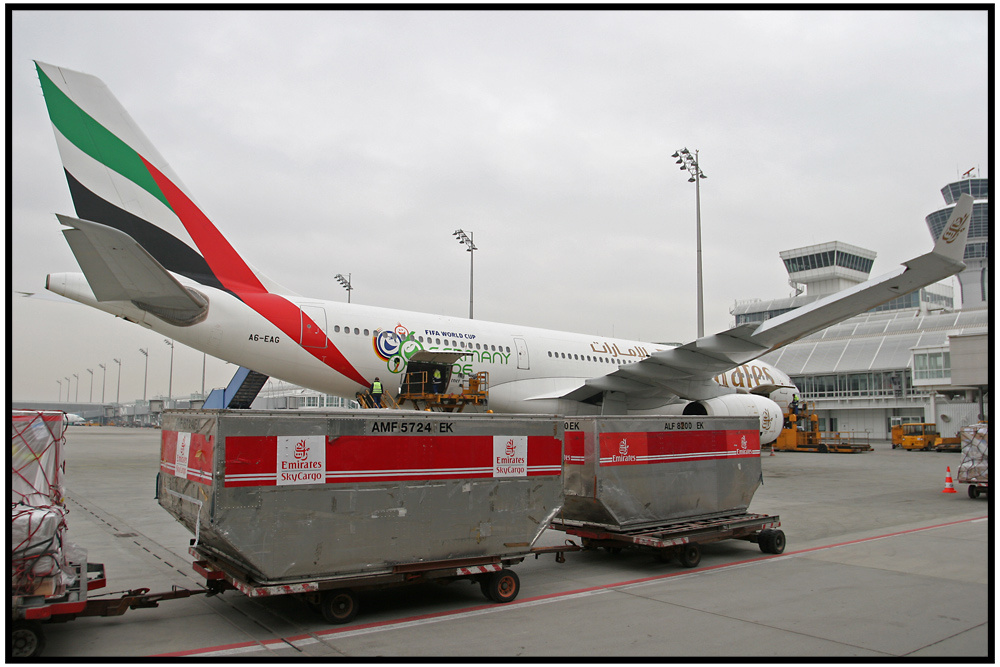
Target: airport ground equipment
[(942, 444), (27, 638), (915, 436), (800, 433), (663, 484), (974, 469), (336, 596), (631, 471), (311, 503), (239, 394), (681, 538), (51, 579)]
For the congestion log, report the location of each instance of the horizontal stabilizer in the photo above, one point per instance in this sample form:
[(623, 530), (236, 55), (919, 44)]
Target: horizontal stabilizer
[(119, 269)]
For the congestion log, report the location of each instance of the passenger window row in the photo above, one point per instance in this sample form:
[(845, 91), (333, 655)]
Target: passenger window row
[(486, 347), (586, 357), (347, 330)]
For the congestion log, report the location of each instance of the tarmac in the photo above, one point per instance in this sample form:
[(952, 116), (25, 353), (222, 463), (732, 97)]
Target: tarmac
[(879, 564)]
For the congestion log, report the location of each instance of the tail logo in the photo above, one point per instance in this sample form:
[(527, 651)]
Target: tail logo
[(955, 229)]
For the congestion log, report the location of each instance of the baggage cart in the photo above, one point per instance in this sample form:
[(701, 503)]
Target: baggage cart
[(975, 467), (27, 638), (684, 538), (324, 504)]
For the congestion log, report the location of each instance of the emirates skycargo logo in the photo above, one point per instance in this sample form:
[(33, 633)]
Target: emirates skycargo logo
[(510, 456), (301, 459), (623, 456)]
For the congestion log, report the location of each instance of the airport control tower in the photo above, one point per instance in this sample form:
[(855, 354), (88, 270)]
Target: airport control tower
[(974, 281), (828, 267)]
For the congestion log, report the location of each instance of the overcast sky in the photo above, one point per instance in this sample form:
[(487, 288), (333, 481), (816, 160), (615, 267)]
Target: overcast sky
[(356, 142)]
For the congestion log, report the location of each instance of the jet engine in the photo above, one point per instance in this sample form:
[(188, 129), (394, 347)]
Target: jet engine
[(743, 405)]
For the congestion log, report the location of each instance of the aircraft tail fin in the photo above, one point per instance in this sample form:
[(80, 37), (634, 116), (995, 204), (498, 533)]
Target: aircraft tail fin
[(118, 179)]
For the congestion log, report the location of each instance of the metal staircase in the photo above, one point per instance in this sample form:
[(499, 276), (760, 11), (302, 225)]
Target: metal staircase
[(240, 393)]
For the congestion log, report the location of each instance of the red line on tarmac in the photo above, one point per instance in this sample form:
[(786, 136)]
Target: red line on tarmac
[(230, 648)]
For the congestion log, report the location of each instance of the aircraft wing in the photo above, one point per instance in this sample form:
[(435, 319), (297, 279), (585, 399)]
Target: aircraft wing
[(119, 269), (687, 371)]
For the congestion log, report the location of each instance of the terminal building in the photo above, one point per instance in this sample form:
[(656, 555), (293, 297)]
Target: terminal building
[(894, 363)]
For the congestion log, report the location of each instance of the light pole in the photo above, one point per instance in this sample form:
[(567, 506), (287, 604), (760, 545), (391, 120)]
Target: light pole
[(470, 247), (60, 389), (145, 377), (77, 399), (91, 371), (346, 283), (690, 163), (118, 398), (170, 387), (103, 380), (69, 384)]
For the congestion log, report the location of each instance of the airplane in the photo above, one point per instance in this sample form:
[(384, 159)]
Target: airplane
[(151, 256), (74, 419)]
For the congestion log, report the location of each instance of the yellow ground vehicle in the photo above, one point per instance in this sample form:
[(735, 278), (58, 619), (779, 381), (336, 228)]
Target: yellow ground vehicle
[(922, 436), (801, 434), (948, 444)]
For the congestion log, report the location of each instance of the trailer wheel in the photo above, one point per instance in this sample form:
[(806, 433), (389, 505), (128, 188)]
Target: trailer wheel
[(503, 586), (338, 607), (26, 639), (690, 555), (973, 491), (777, 541)]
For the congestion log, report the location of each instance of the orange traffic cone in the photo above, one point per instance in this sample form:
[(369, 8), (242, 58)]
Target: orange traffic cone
[(949, 486)]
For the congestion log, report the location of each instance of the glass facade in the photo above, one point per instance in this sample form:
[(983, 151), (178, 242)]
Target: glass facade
[(877, 384), (743, 318), (830, 258), (931, 365), (977, 187), (914, 299)]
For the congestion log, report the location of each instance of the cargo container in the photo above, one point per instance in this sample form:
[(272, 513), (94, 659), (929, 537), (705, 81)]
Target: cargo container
[(630, 471), (331, 502), (663, 483)]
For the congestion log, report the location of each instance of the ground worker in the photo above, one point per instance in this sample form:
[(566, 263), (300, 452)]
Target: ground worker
[(437, 380), (377, 393)]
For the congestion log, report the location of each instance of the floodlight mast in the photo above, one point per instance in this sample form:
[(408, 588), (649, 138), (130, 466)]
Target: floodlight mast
[(690, 164), (345, 283), (471, 248), (145, 377)]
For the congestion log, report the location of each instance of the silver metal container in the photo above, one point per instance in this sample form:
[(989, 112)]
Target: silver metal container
[(296, 496), (625, 472)]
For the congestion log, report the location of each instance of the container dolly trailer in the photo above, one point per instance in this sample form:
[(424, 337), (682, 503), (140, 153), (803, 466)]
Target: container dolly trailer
[(681, 538)]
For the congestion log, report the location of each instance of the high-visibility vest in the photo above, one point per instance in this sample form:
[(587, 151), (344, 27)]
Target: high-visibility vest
[(376, 387), (437, 375)]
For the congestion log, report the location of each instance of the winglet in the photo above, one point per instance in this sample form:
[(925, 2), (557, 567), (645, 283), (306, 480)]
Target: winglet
[(951, 244)]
